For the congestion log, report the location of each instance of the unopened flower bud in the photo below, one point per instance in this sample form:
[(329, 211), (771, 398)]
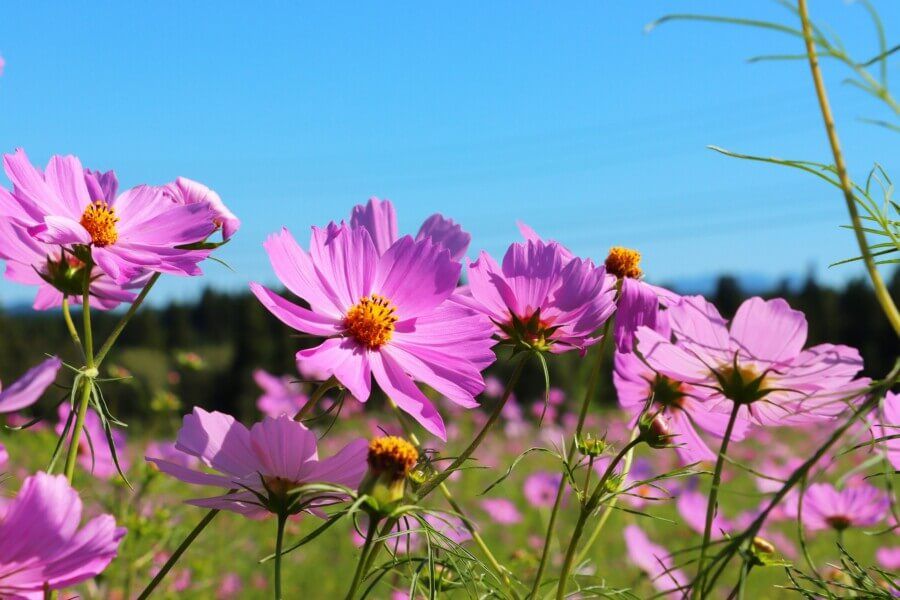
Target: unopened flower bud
[(655, 430), (390, 460), (614, 482), (763, 546), (588, 445)]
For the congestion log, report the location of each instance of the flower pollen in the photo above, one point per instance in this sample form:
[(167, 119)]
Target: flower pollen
[(393, 455), (371, 321), (100, 221), (624, 262)]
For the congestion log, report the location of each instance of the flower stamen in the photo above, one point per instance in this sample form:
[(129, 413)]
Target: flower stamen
[(100, 221), (624, 262), (371, 321)]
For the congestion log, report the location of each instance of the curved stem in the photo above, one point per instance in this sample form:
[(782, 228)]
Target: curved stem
[(881, 291), (362, 564), (712, 503), (120, 326), (435, 481), (70, 325), (317, 395), (177, 554), (279, 542), (593, 382), (586, 511)]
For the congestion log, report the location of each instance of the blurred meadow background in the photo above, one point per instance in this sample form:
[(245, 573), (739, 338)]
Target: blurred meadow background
[(571, 119)]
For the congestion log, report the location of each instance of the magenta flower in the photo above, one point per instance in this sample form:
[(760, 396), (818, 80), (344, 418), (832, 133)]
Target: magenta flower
[(138, 231), (758, 362), (540, 488), (55, 272), (501, 511), (541, 299), (390, 316), (94, 453), (888, 557), (692, 504), (44, 546), (656, 562), (26, 390), (273, 457), (860, 505), (681, 404), (379, 218), (281, 395), (184, 191)]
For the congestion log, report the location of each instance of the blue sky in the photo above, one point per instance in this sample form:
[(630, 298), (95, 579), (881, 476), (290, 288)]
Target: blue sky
[(570, 118)]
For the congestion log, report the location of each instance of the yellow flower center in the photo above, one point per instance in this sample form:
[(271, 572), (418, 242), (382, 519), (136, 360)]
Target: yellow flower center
[(100, 221), (624, 262), (371, 321), (393, 455)]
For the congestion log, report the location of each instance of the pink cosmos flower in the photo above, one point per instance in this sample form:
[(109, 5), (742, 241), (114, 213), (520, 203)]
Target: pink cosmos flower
[(138, 231), (638, 302), (390, 316), (681, 404), (758, 361), (379, 218), (540, 488), (861, 505), (502, 511), (692, 504), (656, 562), (889, 425), (274, 456), (231, 586), (55, 272), (540, 298), (43, 543), (184, 191), (281, 395), (888, 557), (94, 453), (26, 390), (165, 450)]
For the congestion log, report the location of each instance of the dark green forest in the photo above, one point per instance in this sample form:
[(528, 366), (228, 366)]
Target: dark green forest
[(204, 353)]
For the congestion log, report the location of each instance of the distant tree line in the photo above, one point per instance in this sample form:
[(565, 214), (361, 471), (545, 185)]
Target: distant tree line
[(232, 335)]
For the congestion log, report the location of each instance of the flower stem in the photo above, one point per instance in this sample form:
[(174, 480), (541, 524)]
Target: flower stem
[(86, 380), (279, 542), (712, 503), (448, 495), (317, 395), (881, 291), (120, 326), (362, 565), (593, 382), (586, 511), (470, 449), (608, 510), (70, 325)]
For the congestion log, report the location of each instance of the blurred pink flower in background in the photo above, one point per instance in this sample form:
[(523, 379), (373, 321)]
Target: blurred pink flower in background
[(861, 505), (281, 395), (656, 562), (231, 586), (888, 557), (887, 424), (502, 511), (540, 488), (94, 454)]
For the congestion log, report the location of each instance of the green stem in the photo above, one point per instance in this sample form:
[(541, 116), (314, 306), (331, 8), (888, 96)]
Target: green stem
[(435, 481), (86, 380), (317, 395), (177, 554), (593, 382), (120, 326), (362, 564), (881, 291), (502, 571), (608, 510), (586, 511), (279, 542), (712, 503), (70, 325)]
